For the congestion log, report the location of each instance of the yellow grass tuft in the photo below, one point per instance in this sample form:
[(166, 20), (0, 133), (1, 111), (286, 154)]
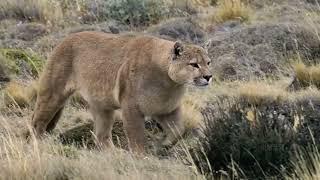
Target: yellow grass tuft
[(260, 92), (18, 95), (232, 9), (191, 115), (307, 75)]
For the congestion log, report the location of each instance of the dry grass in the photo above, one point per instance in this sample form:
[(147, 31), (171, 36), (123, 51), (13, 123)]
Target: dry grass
[(261, 92), (17, 94), (33, 10), (51, 160), (307, 75), (191, 107), (232, 9), (302, 171)]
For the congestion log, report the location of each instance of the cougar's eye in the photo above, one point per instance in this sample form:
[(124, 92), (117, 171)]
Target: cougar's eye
[(194, 65), (209, 63)]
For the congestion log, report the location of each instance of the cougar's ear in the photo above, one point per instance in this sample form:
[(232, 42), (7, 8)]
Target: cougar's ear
[(177, 49)]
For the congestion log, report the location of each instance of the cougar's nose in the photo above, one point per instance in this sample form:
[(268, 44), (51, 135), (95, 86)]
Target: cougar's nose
[(207, 77)]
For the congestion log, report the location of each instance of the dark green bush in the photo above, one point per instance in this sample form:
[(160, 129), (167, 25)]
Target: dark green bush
[(255, 141)]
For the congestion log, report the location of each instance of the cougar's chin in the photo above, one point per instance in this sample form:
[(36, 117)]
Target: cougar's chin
[(201, 82)]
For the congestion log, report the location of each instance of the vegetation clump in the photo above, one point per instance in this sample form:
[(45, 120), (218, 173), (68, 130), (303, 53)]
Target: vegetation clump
[(257, 139), (18, 60)]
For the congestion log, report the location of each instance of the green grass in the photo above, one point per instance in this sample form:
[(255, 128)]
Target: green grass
[(12, 56)]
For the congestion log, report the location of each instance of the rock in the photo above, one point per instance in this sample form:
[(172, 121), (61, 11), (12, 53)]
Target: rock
[(224, 69), (228, 26), (267, 67), (183, 29)]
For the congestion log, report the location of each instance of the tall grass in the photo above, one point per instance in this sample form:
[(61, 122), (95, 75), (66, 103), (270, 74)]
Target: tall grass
[(49, 159), (307, 165)]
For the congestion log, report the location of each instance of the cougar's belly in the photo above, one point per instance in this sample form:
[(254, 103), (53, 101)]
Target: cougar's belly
[(100, 88), (151, 109), (104, 100), (160, 103)]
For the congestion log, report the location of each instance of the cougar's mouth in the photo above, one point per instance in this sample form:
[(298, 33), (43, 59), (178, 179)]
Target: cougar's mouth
[(201, 82)]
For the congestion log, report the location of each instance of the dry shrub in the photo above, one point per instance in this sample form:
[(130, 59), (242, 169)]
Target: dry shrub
[(46, 11)]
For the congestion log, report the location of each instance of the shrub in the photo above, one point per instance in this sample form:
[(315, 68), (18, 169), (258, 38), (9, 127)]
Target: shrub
[(15, 59), (257, 140), (132, 12), (46, 11)]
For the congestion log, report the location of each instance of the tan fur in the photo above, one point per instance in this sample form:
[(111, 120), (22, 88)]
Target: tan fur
[(141, 75)]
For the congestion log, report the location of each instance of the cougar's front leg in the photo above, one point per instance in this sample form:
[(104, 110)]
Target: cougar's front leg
[(172, 125), (134, 127)]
